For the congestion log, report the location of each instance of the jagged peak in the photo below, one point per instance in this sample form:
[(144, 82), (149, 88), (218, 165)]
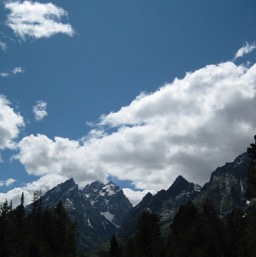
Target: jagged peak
[(180, 181), (94, 186), (70, 181), (242, 158), (180, 184), (235, 168), (98, 189), (110, 188), (146, 198), (112, 184), (67, 185)]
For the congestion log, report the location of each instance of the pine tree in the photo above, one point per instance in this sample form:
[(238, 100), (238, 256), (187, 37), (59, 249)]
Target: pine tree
[(114, 247), (251, 173), (236, 233), (66, 232), (184, 237), (130, 249), (214, 231), (5, 236), (148, 237)]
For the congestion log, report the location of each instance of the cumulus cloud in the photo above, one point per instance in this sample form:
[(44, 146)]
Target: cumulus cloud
[(246, 49), (37, 20), (40, 110), (188, 127), (64, 157), (10, 124)]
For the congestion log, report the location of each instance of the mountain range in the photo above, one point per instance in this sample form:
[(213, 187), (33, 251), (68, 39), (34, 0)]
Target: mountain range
[(101, 210)]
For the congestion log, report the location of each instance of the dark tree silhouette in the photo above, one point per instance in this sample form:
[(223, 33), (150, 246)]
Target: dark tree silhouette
[(148, 236), (114, 247)]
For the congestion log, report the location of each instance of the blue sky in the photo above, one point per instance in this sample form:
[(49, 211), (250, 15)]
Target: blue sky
[(138, 91)]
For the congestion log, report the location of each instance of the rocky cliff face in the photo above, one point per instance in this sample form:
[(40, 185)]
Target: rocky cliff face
[(227, 185)]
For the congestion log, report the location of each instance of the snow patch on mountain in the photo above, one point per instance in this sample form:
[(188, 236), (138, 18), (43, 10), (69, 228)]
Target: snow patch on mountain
[(109, 216)]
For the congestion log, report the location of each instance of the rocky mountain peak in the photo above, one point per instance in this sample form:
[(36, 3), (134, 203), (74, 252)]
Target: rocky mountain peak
[(99, 209), (102, 210), (98, 190), (179, 185), (70, 183)]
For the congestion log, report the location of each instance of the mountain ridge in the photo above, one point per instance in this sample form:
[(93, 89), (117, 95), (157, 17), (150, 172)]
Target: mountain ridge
[(102, 210)]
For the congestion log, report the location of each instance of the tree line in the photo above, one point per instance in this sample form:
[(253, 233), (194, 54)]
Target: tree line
[(194, 232), (40, 233)]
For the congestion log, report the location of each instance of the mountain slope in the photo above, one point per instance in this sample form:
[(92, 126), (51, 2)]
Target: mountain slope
[(102, 210), (165, 204), (227, 185), (98, 209), (225, 190)]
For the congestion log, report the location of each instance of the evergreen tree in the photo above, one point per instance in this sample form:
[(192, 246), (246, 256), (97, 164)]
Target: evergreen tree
[(196, 234), (5, 230), (183, 235), (214, 231), (130, 249), (251, 211), (42, 233), (114, 247), (65, 231), (148, 237), (236, 233), (251, 173)]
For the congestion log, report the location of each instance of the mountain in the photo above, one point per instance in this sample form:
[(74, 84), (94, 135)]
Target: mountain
[(98, 209), (165, 204), (225, 190), (101, 210), (227, 185)]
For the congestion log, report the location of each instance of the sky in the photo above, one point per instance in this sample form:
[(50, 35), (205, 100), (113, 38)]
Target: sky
[(133, 91)]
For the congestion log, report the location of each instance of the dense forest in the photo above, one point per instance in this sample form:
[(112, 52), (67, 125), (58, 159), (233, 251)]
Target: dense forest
[(40, 233), (196, 231)]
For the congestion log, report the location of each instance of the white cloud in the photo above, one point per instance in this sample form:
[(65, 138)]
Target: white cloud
[(37, 20), (8, 182), (246, 49), (17, 70), (188, 127), (40, 110), (14, 71), (134, 196), (10, 124), (4, 74), (3, 46), (43, 184), (43, 156)]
